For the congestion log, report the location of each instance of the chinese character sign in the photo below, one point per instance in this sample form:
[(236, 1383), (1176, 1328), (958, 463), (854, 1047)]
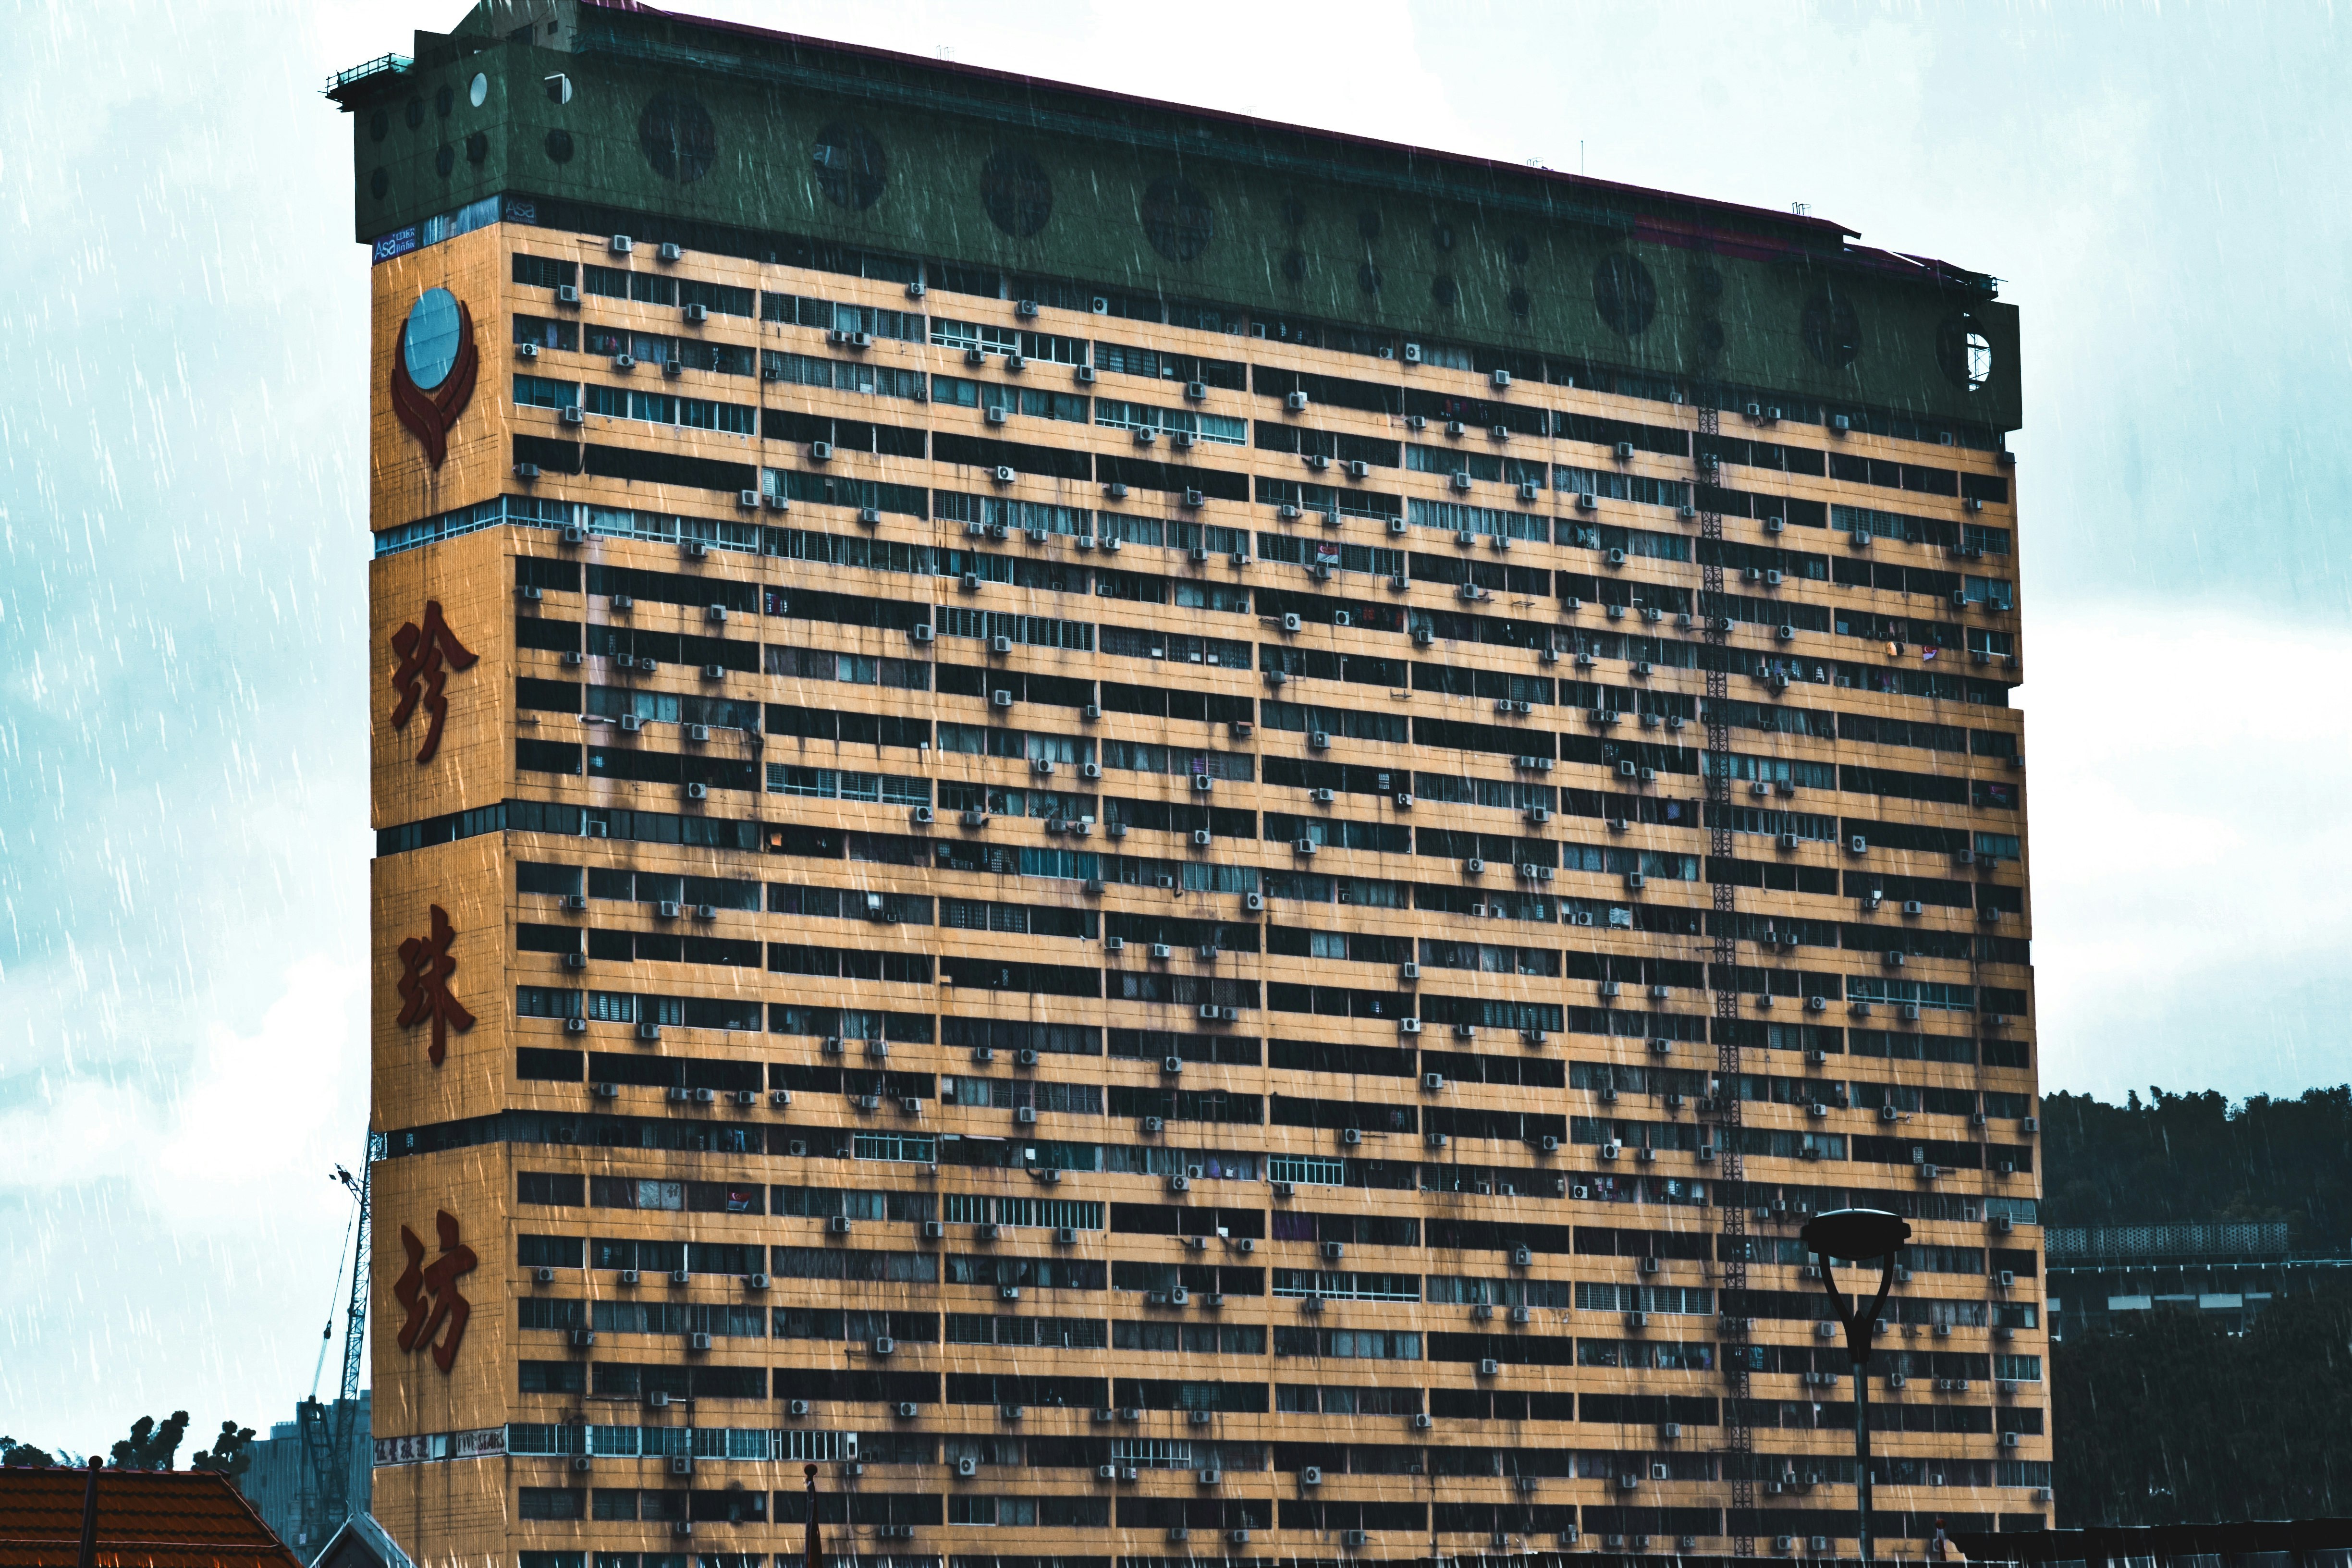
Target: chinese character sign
[(428, 654), (428, 1293), (423, 985)]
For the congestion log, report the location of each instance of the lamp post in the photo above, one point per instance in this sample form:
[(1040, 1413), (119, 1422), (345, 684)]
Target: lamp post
[(1859, 1234)]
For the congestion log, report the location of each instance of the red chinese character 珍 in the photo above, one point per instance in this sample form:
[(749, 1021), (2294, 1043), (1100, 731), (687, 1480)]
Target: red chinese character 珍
[(429, 1293), (423, 985), (420, 674)]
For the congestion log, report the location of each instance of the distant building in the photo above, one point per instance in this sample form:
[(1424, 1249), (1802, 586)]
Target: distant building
[(2236, 1270), (280, 1486)]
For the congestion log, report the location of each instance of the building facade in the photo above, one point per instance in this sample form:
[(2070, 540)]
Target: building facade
[(283, 1490), (1175, 839), (2230, 1271)]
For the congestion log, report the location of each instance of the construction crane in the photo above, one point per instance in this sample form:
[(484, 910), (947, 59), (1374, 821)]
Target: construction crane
[(328, 1436)]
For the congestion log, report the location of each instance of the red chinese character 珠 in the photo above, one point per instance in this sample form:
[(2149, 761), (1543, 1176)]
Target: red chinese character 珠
[(429, 1293), (420, 674), (423, 985)]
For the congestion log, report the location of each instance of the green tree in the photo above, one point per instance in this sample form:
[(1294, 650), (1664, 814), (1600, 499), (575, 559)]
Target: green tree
[(2188, 1157), (149, 1446), (228, 1453), (24, 1455), (2166, 1417)]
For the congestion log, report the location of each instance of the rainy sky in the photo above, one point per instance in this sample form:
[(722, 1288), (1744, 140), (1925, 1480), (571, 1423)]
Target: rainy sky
[(182, 808)]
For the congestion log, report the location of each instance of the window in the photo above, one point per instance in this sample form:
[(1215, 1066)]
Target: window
[(1348, 1286), (553, 1502), (544, 272), (1221, 429), (618, 283), (1635, 487), (665, 408), (539, 391), (839, 783), (857, 669), (546, 1002), (994, 339), (547, 1187), (1344, 1344), (843, 375), (894, 1148), (548, 1251), (1454, 518), (1117, 359), (797, 310)]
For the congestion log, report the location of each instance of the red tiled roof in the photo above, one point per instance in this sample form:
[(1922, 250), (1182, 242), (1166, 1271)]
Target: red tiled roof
[(146, 1519)]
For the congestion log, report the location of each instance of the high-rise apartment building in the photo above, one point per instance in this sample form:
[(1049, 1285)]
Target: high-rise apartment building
[(1175, 839)]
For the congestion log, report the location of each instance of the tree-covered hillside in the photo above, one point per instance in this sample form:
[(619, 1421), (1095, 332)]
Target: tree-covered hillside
[(2166, 1417), (2199, 1157)]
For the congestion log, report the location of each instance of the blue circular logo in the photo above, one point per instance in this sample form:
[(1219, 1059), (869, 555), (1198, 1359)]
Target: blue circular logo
[(432, 346)]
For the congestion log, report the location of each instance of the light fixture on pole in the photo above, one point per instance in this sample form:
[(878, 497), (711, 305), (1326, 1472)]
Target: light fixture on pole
[(1859, 1235)]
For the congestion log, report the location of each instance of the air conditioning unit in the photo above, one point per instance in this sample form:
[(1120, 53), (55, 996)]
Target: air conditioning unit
[(1296, 402)]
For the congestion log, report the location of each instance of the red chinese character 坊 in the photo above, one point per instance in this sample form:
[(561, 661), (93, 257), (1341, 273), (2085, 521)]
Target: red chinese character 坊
[(429, 1293)]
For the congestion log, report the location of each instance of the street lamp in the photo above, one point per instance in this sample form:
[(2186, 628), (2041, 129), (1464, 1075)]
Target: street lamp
[(1859, 1234)]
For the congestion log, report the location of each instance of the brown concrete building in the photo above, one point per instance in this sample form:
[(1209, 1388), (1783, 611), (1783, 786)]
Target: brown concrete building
[(1181, 839)]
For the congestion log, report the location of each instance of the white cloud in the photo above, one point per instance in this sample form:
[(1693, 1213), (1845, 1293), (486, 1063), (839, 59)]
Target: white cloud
[(269, 1111), (253, 1108), (176, 1250), (2189, 852)]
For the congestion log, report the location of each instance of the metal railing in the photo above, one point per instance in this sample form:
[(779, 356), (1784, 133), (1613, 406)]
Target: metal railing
[(359, 73), (2082, 1243)]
